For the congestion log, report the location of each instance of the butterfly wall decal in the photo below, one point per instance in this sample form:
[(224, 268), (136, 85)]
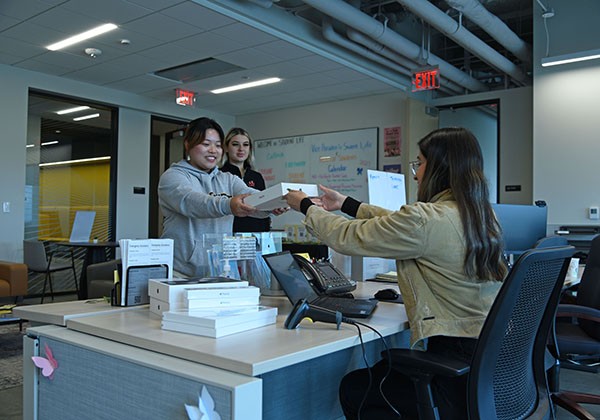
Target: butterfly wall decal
[(205, 408), (48, 364)]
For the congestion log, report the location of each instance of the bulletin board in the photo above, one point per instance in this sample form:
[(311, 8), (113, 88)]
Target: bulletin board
[(338, 160)]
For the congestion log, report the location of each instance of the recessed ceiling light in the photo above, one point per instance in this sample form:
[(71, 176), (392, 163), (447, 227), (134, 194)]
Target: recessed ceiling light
[(82, 36), (48, 143), (70, 162), (247, 85), (70, 110), (29, 145), (86, 117)]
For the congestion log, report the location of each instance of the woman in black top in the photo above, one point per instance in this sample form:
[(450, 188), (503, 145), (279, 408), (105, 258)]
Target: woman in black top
[(237, 159)]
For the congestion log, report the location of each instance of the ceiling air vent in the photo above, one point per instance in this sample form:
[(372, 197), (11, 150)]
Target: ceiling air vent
[(197, 70)]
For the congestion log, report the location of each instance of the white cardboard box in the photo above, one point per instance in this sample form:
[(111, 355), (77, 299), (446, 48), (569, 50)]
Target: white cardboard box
[(158, 306), (175, 290), (271, 198)]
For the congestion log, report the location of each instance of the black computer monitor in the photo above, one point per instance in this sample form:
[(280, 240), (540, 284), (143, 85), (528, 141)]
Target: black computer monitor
[(522, 226)]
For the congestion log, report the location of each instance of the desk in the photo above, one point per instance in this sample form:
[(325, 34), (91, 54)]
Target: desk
[(297, 371), (59, 313), (95, 252)]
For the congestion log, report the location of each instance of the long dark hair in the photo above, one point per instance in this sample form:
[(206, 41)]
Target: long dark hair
[(454, 161)]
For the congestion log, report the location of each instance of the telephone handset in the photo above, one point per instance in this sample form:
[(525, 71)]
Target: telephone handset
[(324, 276)]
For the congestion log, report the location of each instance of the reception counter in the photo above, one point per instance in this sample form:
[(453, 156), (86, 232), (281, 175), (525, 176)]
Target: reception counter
[(268, 372)]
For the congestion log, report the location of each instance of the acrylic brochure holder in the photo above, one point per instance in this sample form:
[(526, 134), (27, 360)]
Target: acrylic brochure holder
[(239, 256)]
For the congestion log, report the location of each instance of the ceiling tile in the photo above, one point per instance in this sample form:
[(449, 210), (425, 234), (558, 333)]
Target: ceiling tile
[(315, 61), (34, 34), (198, 16), (285, 69), (156, 4), (248, 58), (65, 21), (41, 67), (109, 11), (171, 53), (209, 44), (99, 75), (7, 58), (283, 50), (144, 83), (161, 27), (137, 64), (244, 34), (66, 60), (7, 22), (20, 48), (22, 10)]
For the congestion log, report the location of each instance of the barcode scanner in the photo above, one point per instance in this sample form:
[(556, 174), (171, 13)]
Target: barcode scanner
[(303, 309)]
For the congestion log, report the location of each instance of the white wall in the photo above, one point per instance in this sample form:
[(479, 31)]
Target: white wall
[(134, 145), (374, 111), (566, 123), (515, 140)]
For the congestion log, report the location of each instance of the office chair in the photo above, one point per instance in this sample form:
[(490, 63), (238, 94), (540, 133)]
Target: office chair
[(507, 377), (576, 343), (38, 261), (551, 242)]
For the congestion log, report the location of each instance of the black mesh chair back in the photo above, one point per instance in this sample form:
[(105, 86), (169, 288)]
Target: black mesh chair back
[(507, 377), (551, 242), (589, 288)]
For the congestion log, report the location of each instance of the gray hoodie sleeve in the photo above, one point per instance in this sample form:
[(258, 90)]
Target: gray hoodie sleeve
[(182, 193)]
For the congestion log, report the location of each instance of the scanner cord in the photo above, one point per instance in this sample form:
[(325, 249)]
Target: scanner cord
[(364, 353), (389, 369)]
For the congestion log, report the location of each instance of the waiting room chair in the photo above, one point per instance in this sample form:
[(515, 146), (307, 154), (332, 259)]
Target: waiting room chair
[(38, 261), (507, 376), (100, 278), (13, 280), (576, 341)]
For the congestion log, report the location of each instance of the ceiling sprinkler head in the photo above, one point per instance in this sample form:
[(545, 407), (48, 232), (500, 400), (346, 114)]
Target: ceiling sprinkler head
[(93, 52)]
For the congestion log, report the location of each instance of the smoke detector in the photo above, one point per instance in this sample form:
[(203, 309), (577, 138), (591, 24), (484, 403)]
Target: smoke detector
[(93, 52)]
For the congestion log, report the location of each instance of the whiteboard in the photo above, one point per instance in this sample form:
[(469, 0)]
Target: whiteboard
[(338, 160), (386, 189)]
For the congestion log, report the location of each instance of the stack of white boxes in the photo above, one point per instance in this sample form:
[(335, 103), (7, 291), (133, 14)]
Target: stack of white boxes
[(182, 294)]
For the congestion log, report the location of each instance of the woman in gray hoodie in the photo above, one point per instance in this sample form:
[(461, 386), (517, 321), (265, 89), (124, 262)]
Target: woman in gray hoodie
[(197, 198)]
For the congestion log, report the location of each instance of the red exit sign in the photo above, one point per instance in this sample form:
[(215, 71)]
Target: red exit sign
[(426, 79), (184, 97)]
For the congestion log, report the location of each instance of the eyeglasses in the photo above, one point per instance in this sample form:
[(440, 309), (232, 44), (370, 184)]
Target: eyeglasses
[(414, 166)]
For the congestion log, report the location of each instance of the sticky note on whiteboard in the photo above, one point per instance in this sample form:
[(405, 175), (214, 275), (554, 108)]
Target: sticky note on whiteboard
[(386, 189)]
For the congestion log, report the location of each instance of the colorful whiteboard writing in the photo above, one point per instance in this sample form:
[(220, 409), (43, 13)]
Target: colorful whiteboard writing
[(338, 160)]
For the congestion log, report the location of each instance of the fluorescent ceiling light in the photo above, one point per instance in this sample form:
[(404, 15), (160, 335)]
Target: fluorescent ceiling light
[(82, 36), (570, 58), (70, 162), (29, 145), (71, 110), (86, 117), (48, 143), (247, 85)]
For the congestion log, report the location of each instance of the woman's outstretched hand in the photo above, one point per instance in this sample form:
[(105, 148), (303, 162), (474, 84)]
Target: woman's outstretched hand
[(330, 200), (239, 208), (294, 198)]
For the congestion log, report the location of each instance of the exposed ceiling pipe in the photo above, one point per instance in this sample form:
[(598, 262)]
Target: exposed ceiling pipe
[(459, 34), (478, 14), (373, 45), (331, 35), (358, 20)]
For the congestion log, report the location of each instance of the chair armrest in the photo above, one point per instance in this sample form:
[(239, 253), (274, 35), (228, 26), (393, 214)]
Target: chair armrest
[(578, 311), (422, 362), (16, 275)]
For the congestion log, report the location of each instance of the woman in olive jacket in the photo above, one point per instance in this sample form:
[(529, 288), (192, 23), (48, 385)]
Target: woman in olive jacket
[(448, 252)]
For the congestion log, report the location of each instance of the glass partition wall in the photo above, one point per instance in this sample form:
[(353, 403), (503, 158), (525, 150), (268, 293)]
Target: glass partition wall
[(71, 167)]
